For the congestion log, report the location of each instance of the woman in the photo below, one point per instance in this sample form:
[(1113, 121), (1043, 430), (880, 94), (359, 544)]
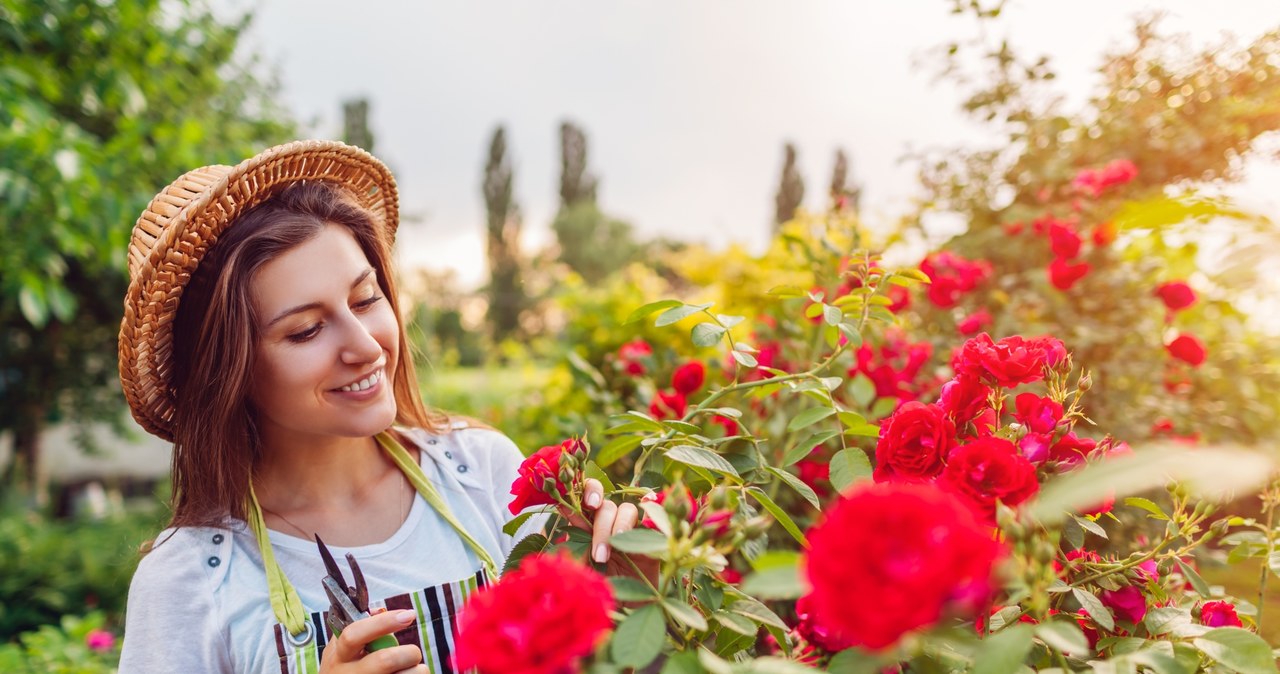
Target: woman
[(262, 336)]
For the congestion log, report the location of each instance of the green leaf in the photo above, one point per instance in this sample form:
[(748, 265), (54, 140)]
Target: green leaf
[(797, 484), (630, 589), (758, 612), (639, 637), (772, 664), (61, 302), (785, 291), (729, 321), (1147, 505), (851, 333), (736, 623), (1201, 587), (856, 661), (1166, 619), (1209, 471), (512, 526), (809, 417), (832, 315), (1273, 562), (33, 307), (707, 334), (1238, 649), (1099, 613), (863, 430), (617, 448), (651, 308), (683, 662), (685, 614), (640, 541), (677, 314), (849, 466), (780, 515), (1003, 652), (528, 545), (1090, 526), (703, 458), (744, 359), (776, 583), (592, 470), (1064, 636), (864, 390), (805, 447), (580, 365)]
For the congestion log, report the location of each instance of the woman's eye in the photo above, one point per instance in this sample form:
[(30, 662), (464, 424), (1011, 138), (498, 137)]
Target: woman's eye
[(305, 334), (364, 304)]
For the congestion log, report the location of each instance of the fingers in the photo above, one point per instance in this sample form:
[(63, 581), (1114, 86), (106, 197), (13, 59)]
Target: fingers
[(610, 519), (420, 669), (349, 646), (388, 660), (592, 493)]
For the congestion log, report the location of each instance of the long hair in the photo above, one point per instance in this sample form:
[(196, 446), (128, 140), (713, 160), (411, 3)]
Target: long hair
[(216, 443)]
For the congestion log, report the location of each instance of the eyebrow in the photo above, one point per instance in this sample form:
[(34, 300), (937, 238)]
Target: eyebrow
[(314, 305)]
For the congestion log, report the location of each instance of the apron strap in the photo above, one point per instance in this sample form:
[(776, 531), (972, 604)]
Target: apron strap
[(285, 603)]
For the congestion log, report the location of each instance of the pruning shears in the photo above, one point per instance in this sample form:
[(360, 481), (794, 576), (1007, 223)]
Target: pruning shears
[(347, 603)]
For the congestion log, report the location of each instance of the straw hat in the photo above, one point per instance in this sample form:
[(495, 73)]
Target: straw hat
[(186, 219)]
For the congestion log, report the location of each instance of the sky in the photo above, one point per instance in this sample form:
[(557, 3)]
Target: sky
[(687, 105)]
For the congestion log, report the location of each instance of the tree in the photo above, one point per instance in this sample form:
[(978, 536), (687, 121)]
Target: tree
[(355, 124), (101, 105), (576, 184), (506, 288), (790, 190), (843, 194), (592, 243)]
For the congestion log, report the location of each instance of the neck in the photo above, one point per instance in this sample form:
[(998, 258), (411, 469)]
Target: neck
[(297, 472)]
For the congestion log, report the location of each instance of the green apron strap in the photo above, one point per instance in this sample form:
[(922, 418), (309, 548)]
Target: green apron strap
[(284, 599), (285, 603)]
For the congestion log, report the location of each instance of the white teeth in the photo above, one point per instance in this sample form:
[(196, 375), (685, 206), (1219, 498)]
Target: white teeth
[(363, 384)]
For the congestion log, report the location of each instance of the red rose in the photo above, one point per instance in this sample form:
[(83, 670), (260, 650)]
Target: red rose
[(1219, 614), (1037, 414), (632, 354), (974, 323), (813, 633), (729, 425), (1063, 275), (952, 276), (528, 624), (911, 554), (1128, 603), (964, 398), (1064, 240), (1176, 295), (1188, 349), (987, 470), (544, 464), (1071, 449), (913, 443), (900, 298), (668, 405), (1104, 234), (688, 378), (1011, 361)]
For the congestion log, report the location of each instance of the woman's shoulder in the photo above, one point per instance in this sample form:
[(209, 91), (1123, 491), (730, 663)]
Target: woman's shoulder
[(186, 557)]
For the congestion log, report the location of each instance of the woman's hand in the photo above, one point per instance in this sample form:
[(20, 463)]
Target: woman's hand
[(346, 654), (606, 519)]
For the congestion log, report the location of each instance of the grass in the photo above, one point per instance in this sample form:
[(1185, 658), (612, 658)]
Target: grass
[(486, 393)]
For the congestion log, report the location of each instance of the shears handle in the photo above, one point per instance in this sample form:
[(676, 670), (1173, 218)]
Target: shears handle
[(384, 641)]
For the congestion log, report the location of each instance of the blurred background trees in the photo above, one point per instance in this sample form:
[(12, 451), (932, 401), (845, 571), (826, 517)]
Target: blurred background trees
[(100, 104)]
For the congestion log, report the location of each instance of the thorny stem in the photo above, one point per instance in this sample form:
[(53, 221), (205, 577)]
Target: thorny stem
[(1269, 504)]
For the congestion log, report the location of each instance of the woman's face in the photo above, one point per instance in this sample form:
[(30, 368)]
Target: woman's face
[(328, 342)]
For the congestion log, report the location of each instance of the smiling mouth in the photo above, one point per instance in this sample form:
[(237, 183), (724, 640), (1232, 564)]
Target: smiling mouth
[(364, 384)]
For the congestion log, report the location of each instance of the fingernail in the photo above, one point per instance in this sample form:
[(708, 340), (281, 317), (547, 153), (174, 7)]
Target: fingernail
[(405, 617), (602, 554), (593, 499)]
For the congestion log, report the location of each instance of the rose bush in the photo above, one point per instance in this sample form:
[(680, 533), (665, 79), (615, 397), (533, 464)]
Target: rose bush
[(931, 505)]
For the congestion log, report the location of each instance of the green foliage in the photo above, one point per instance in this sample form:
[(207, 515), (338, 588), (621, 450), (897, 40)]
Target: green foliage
[(507, 295), (593, 243), (101, 105), (61, 649), (50, 568)]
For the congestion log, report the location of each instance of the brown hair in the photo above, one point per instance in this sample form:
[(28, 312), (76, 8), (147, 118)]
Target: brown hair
[(215, 336)]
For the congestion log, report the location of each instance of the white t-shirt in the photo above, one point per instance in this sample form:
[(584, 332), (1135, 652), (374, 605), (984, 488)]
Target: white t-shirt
[(198, 601)]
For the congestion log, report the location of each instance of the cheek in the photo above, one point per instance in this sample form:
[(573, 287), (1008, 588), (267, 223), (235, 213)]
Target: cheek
[(281, 379)]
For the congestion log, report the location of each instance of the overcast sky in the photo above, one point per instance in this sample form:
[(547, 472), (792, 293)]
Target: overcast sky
[(686, 104)]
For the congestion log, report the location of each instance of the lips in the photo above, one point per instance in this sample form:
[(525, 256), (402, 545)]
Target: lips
[(364, 383)]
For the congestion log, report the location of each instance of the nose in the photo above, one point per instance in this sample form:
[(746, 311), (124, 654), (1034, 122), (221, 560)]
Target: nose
[(359, 346)]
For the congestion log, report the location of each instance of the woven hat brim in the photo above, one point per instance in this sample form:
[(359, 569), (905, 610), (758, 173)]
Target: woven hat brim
[(186, 218)]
